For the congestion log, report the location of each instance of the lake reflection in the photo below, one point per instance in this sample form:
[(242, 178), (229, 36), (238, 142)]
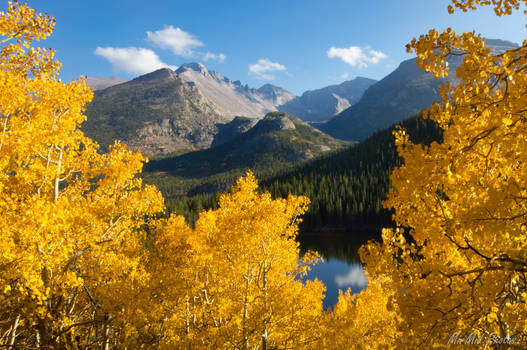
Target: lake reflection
[(341, 268)]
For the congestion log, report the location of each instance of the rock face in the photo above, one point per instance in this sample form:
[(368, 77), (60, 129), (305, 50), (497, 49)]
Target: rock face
[(156, 113), (274, 141), (229, 98), (99, 83), (276, 95), (230, 130), (275, 122), (322, 104), (403, 93)]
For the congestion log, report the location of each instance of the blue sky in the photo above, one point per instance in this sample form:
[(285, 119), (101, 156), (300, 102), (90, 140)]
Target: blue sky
[(296, 44)]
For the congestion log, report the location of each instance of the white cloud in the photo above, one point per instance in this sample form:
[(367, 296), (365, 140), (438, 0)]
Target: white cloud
[(344, 76), (212, 56), (180, 42), (263, 66), (354, 278), (136, 60), (357, 56)]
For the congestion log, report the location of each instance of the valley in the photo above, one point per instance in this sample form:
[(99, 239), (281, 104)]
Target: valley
[(202, 130), (334, 145)]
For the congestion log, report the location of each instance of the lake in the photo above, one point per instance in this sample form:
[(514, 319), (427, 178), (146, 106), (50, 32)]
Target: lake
[(341, 268)]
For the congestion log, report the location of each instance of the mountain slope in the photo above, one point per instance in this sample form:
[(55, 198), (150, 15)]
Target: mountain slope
[(230, 130), (229, 98), (346, 187), (156, 113), (277, 141), (167, 112), (275, 94), (100, 83), (322, 104), (406, 91)]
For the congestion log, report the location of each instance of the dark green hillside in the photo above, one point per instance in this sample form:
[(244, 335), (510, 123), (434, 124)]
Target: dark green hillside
[(277, 142), (346, 188)]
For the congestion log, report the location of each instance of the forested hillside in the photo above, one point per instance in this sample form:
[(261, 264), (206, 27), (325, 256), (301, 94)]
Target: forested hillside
[(346, 188), (277, 142)]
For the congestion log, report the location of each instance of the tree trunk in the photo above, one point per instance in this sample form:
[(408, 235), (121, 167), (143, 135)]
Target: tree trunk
[(246, 307), (265, 335), (44, 335), (12, 336), (106, 342)]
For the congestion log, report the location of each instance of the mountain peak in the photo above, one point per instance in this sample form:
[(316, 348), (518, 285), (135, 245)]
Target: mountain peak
[(195, 66), (268, 87), (278, 95), (230, 98), (500, 42), (275, 121), (160, 74), (100, 83), (362, 78), (499, 46), (277, 115), (322, 104)]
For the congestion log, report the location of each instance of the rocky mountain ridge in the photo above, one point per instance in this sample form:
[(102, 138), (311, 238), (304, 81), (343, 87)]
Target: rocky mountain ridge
[(403, 93), (231, 98), (322, 104), (156, 113), (169, 112), (275, 94), (166, 112)]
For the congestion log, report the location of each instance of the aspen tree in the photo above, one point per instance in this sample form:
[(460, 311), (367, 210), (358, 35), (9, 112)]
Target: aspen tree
[(457, 263), (71, 220)]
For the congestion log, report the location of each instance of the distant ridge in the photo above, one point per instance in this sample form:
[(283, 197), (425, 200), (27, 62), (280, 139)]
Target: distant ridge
[(275, 94), (322, 104), (404, 92)]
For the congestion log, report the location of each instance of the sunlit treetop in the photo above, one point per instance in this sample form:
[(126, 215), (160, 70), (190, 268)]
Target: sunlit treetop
[(501, 7)]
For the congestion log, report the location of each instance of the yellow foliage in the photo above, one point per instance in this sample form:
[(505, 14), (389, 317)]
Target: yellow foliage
[(238, 285), (459, 266), (363, 321), (72, 221), (85, 260)]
